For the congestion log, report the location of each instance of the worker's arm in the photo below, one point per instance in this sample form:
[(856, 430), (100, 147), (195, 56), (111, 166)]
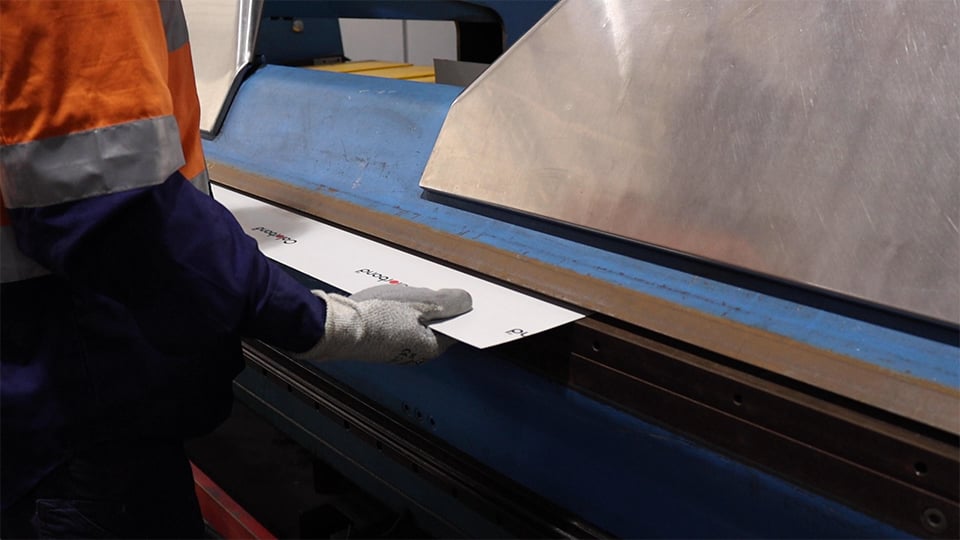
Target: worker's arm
[(177, 259), (184, 267)]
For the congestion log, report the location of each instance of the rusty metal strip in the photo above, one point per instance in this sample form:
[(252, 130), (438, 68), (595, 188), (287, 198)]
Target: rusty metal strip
[(897, 451), (899, 472), (890, 499), (918, 400)]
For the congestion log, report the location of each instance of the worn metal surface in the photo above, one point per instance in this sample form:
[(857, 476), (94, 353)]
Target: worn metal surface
[(816, 142), (902, 395), (222, 37), (900, 475), (803, 437)]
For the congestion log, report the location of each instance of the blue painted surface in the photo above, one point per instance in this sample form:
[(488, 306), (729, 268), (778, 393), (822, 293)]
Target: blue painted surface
[(515, 16), (618, 472), (277, 44), (367, 140), (393, 483), (518, 15)]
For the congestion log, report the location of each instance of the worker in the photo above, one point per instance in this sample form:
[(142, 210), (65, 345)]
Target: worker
[(126, 288)]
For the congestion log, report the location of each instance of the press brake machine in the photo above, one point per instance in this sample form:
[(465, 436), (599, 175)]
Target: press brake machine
[(754, 204)]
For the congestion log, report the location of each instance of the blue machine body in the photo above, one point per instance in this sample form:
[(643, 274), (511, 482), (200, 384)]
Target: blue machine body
[(320, 38), (515, 17), (366, 141)]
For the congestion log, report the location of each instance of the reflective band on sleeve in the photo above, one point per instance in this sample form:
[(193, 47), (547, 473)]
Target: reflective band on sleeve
[(201, 181), (14, 265), (174, 23), (96, 162)]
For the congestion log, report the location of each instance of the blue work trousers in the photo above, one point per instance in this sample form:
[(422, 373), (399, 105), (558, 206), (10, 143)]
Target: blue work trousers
[(112, 490)]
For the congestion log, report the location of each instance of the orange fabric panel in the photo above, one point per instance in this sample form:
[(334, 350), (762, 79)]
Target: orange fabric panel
[(69, 66), (186, 105)]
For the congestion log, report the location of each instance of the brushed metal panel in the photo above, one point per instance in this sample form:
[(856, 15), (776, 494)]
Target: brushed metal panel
[(222, 37), (813, 141)]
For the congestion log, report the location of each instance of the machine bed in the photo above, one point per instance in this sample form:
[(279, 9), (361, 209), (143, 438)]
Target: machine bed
[(696, 398)]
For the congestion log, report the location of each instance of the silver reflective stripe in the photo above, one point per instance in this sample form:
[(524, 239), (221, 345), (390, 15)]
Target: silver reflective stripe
[(96, 162), (174, 23), (14, 265), (202, 181)]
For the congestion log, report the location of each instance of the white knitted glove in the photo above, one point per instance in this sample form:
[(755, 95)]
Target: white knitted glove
[(387, 323)]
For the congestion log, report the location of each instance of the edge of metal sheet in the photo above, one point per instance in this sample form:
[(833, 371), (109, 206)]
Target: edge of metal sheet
[(222, 37), (812, 142)]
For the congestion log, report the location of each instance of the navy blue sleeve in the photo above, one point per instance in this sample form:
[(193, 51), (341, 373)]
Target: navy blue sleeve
[(177, 259)]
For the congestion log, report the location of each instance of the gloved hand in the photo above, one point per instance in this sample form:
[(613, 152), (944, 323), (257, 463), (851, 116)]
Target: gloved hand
[(387, 323)]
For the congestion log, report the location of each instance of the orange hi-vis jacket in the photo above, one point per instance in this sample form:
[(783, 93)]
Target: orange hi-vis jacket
[(72, 139), (125, 290)]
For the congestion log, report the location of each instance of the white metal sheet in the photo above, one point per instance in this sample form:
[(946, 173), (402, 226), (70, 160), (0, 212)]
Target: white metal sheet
[(352, 263)]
